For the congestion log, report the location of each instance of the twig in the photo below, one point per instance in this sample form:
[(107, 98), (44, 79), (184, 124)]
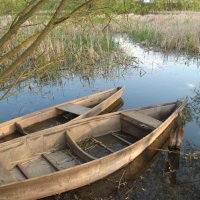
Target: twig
[(181, 153), (121, 180), (13, 85)]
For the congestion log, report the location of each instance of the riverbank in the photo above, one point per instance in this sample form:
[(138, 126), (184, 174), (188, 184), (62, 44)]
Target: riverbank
[(168, 32), (86, 43)]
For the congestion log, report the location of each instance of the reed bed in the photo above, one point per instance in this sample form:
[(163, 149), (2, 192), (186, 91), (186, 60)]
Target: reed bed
[(85, 49), (169, 32)]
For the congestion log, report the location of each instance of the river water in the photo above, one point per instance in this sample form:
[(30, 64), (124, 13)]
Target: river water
[(158, 78)]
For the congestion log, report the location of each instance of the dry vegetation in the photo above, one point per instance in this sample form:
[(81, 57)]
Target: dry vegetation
[(168, 31), (85, 46)]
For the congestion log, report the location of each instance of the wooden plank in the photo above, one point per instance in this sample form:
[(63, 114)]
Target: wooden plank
[(75, 109), (84, 156), (133, 130), (5, 176), (122, 139), (68, 153), (50, 162), (23, 171), (103, 145), (63, 159), (38, 166), (142, 119)]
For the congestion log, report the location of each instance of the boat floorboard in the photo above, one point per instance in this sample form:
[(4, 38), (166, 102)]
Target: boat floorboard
[(112, 142), (55, 121), (39, 165), (130, 138), (93, 148), (106, 144), (17, 174), (36, 167), (63, 159)]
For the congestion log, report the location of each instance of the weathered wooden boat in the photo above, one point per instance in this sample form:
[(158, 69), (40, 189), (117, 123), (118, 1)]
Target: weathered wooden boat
[(61, 114), (43, 164)]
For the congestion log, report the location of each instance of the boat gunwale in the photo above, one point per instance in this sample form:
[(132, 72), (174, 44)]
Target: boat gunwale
[(152, 135), (49, 109), (58, 105), (70, 124)]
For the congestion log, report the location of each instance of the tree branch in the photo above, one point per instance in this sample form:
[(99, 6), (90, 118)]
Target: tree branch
[(15, 27), (50, 26), (62, 19), (17, 49), (34, 45)]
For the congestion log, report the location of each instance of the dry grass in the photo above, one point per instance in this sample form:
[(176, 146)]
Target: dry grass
[(172, 31)]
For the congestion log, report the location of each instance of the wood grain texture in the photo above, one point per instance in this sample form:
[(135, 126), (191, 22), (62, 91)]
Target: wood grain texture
[(142, 119), (75, 109)]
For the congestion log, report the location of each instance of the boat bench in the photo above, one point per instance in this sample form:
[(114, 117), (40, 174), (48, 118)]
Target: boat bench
[(75, 109), (141, 119)]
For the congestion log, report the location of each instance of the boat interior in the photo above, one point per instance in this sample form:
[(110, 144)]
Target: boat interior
[(61, 114), (42, 154), (60, 119)]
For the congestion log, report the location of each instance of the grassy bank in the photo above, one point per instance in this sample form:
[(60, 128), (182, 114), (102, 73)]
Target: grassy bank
[(169, 32)]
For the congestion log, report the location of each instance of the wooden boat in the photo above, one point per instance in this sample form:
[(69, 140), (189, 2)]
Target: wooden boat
[(43, 164), (60, 114)]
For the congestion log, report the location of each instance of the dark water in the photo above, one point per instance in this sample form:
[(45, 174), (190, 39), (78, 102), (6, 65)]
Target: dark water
[(160, 78)]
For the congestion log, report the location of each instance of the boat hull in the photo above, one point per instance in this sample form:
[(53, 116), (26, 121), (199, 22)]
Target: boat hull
[(92, 171)]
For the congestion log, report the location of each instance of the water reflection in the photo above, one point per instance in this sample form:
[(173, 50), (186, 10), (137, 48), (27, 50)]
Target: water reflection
[(194, 105), (172, 165), (173, 155), (151, 58)]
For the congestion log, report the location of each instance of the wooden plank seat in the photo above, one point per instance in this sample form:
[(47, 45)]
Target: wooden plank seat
[(142, 119), (74, 108)]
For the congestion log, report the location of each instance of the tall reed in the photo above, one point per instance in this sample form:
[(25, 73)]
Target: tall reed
[(171, 31)]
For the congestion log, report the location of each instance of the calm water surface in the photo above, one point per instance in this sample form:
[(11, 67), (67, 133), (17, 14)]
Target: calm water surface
[(159, 78)]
